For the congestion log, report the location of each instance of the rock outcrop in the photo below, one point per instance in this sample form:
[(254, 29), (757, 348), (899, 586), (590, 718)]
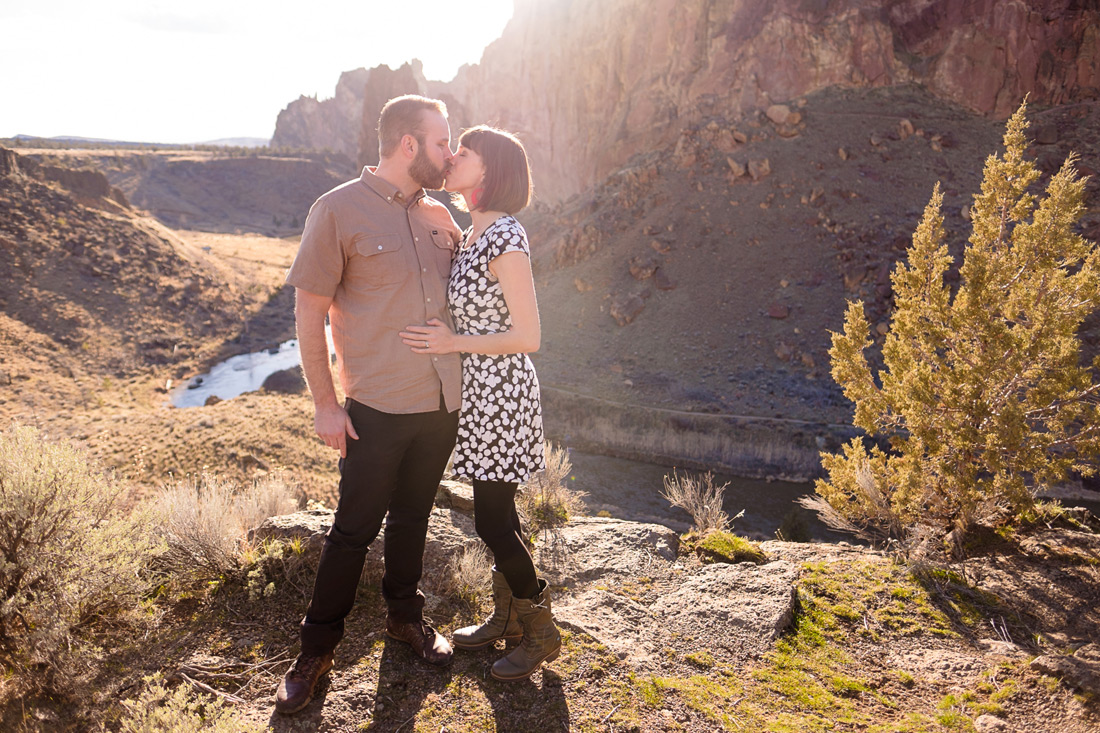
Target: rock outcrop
[(384, 84), (744, 607), (625, 76), (588, 85), (332, 123), (348, 122)]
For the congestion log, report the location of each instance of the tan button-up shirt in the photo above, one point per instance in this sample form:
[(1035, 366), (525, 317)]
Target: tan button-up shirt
[(385, 263)]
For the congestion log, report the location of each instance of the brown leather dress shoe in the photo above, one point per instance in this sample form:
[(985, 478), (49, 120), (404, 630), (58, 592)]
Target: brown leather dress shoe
[(296, 689), (425, 641)]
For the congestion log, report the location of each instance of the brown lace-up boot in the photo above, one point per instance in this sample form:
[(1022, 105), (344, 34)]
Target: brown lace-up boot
[(541, 639), (297, 687), (428, 643), (503, 624)]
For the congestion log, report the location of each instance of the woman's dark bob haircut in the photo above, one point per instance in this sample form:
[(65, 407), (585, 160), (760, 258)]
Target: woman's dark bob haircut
[(507, 183)]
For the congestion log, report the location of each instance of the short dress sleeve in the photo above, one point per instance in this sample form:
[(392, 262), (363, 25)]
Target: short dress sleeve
[(507, 235)]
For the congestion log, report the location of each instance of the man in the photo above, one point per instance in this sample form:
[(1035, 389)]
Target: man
[(375, 257)]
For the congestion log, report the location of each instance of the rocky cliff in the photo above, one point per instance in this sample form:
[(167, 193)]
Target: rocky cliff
[(332, 123), (588, 85), (591, 84)]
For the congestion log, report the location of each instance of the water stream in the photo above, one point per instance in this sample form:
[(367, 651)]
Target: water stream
[(240, 374)]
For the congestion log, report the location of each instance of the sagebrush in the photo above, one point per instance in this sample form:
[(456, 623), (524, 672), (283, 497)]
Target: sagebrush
[(162, 709), (205, 519), (468, 574), (70, 562), (700, 497), (982, 400), (546, 501)]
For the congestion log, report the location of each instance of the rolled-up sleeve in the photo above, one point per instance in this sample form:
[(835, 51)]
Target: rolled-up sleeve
[(319, 265)]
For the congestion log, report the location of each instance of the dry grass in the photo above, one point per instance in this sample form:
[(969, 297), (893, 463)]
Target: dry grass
[(468, 574), (204, 519), (547, 503), (699, 497), (546, 500)]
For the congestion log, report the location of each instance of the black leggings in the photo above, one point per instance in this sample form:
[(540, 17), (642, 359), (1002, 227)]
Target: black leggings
[(497, 524)]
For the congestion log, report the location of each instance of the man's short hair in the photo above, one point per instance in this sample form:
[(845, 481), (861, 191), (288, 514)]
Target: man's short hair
[(507, 183), (403, 116)]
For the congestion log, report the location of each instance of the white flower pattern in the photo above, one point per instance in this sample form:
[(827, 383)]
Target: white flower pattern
[(500, 433)]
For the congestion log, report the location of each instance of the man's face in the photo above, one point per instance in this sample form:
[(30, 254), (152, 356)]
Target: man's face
[(433, 154)]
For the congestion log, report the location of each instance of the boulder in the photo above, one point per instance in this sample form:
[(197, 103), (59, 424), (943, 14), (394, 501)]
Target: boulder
[(759, 168), (986, 723), (733, 612), (643, 267), (448, 533), (287, 381), (753, 603), (456, 495), (309, 526), (596, 547), (625, 307), (778, 113), (1080, 671)]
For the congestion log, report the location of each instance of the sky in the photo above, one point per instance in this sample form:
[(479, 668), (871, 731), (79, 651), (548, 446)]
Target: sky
[(197, 70)]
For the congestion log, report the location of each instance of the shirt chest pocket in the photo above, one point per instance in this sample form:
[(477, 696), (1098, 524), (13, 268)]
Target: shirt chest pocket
[(380, 261), (443, 251)]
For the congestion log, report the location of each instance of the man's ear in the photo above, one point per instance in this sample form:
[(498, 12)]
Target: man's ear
[(409, 146)]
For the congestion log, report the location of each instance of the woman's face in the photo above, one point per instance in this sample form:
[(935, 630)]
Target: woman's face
[(467, 172)]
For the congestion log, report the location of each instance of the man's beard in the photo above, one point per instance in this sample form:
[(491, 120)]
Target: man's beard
[(424, 172)]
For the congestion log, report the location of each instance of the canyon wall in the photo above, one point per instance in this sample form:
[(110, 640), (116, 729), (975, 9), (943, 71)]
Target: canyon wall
[(587, 85), (331, 124)]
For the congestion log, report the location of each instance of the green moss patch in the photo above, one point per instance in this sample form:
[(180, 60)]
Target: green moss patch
[(722, 546)]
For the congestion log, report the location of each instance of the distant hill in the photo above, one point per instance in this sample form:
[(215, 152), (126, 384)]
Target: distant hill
[(239, 142)]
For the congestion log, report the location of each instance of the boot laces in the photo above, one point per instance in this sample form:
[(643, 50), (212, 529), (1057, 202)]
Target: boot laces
[(306, 667)]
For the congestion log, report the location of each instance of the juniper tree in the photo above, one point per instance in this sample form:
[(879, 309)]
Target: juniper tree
[(982, 399)]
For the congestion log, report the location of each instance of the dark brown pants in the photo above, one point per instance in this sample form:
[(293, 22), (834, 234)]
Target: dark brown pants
[(394, 467)]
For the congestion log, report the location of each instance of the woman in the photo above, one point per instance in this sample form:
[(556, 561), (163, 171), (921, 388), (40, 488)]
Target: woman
[(500, 440)]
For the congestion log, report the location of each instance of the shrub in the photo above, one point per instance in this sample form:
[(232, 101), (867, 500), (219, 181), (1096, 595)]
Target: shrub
[(982, 399), (68, 561), (204, 519), (699, 497), (273, 563), (161, 710), (546, 500), (468, 574)]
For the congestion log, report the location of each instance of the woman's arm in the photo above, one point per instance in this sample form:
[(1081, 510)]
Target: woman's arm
[(513, 270)]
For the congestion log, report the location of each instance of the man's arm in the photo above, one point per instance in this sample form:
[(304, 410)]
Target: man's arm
[(330, 420)]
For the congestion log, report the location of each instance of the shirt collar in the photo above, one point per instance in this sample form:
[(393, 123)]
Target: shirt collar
[(387, 190)]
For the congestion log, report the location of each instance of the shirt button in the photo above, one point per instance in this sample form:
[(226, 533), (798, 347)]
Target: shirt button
[(435, 358), (425, 269), (379, 246), (416, 239), (429, 300)]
